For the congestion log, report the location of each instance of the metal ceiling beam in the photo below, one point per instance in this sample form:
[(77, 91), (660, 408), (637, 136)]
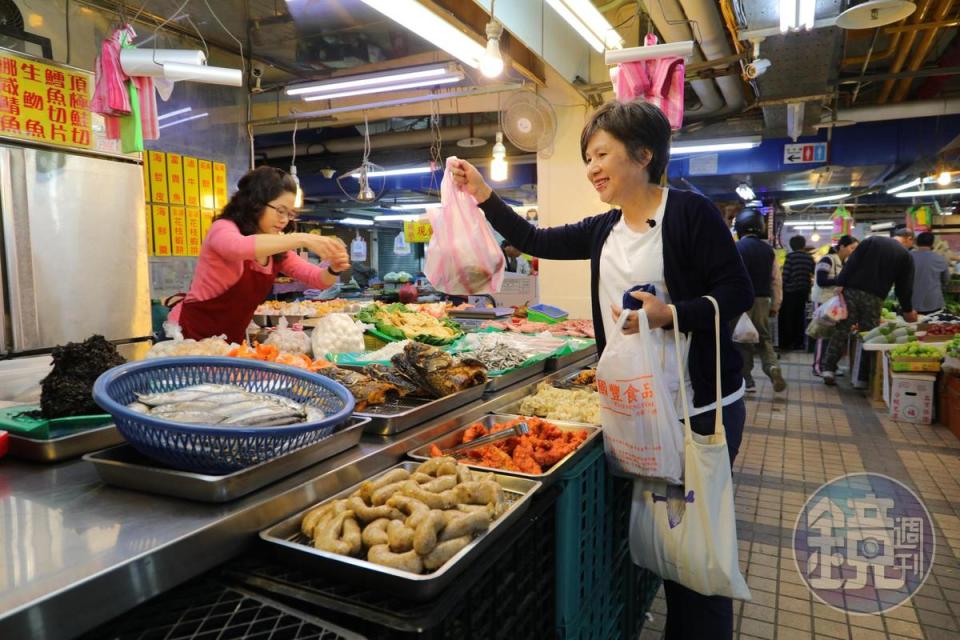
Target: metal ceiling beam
[(920, 73)]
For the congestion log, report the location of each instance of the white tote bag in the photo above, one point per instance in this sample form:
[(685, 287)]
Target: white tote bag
[(745, 332), (689, 534), (642, 435)]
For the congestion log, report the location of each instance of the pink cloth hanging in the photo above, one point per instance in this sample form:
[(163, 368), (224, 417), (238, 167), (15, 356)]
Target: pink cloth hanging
[(148, 107), (110, 97), (658, 81)]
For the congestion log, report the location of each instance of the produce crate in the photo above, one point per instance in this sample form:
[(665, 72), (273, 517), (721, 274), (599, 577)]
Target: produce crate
[(593, 558), (903, 364)]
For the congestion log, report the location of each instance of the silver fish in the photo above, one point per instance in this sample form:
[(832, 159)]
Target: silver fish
[(192, 417), (190, 405), (265, 414), (171, 397)]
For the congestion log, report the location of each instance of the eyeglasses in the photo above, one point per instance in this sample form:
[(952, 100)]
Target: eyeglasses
[(283, 212)]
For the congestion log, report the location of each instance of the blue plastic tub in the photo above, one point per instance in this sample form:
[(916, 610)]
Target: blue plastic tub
[(218, 449)]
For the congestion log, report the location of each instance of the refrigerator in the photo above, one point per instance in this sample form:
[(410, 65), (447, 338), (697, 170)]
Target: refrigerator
[(73, 254)]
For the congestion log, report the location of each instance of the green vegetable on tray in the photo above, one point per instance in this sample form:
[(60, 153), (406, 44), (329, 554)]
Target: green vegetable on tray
[(890, 333), (916, 350), (399, 322)]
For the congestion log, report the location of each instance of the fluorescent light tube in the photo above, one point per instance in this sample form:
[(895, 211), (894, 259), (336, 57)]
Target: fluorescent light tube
[(181, 120), (788, 15), (836, 196), (904, 186), (589, 23), (404, 171), (360, 222), (174, 113), (746, 193), (928, 192), (398, 217), (805, 227), (705, 146), (313, 97), (394, 76), (808, 13), (414, 207), (428, 25)]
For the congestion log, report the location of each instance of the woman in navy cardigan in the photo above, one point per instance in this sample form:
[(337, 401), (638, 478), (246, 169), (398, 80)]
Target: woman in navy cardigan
[(674, 239)]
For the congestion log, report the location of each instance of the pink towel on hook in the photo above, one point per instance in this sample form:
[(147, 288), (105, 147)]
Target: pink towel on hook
[(658, 81), (148, 107)]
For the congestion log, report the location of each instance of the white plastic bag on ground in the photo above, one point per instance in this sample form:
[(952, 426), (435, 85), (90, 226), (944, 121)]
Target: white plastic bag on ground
[(688, 534), (642, 435), (745, 332), (463, 257)]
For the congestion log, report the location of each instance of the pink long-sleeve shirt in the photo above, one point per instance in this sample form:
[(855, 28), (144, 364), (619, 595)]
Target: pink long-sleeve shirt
[(222, 257)]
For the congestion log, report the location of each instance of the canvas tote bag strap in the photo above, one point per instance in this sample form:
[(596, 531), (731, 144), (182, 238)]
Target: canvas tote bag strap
[(718, 424), (687, 431)]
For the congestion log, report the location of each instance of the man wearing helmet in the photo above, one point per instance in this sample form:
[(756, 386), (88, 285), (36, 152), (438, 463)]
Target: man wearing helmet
[(759, 258)]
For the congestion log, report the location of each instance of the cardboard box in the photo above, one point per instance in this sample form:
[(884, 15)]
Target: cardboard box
[(911, 397)]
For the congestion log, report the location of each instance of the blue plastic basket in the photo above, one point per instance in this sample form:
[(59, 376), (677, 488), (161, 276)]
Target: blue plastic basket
[(218, 449)]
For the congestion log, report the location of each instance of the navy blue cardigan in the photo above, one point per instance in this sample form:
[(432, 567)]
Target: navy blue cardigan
[(699, 256)]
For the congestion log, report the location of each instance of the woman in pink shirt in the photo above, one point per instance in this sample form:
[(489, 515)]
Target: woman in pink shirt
[(245, 249)]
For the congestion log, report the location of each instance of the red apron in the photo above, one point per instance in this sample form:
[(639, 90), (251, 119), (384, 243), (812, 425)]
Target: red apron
[(230, 312)]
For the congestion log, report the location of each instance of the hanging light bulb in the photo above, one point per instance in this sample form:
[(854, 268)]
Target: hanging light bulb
[(944, 178), (365, 194), (498, 166), (298, 201), (491, 64)]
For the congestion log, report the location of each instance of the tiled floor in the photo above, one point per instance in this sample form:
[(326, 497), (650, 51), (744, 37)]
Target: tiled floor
[(795, 441)]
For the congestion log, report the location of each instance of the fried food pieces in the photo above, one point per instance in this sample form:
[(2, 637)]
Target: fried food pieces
[(533, 453), (414, 521)]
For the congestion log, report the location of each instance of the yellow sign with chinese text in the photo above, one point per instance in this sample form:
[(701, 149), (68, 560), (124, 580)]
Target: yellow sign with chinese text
[(45, 103), (417, 231), (206, 219), (205, 170), (191, 182), (220, 184), (178, 231), (158, 177), (161, 231), (175, 179), (194, 231)]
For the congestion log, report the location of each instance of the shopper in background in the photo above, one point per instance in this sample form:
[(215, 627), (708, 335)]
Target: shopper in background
[(865, 280), (825, 284), (760, 261), (515, 263), (674, 240), (797, 280), (930, 272), (245, 249)]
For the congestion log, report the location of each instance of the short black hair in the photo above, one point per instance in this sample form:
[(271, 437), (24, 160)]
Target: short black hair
[(798, 242), (846, 241), (925, 239), (638, 125)]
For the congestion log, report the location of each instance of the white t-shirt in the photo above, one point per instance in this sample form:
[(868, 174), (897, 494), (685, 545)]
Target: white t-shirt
[(630, 258)]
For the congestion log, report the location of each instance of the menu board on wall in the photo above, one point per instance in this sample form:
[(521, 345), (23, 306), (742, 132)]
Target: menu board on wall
[(161, 230), (219, 185), (178, 231), (205, 169), (175, 179), (191, 182), (158, 177), (194, 233), (44, 102)]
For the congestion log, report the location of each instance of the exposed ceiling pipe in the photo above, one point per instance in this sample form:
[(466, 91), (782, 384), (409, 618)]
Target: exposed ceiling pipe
[(920, 54), (920, 15), (902, 111), (715, 45), (381, 141), (678, 31)]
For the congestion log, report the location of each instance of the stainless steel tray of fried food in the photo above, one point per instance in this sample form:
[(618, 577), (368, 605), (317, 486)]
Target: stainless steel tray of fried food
[(335, 523), (557, 363), (64, 447), (400, 415), (454, 438), (125, 467), (497, 383)]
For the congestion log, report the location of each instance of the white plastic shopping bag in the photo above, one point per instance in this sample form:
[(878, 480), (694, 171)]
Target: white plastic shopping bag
[(688, 534), (832, 311), (642, 436), (463, 257), (745, 332)]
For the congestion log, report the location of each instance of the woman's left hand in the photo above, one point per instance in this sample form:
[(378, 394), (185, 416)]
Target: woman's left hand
[(658, 314)]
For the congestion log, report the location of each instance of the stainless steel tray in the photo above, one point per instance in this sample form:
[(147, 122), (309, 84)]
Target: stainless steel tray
[(555, 364), (124, 466), (388, 419), (496, 383), (64, 447), (291, 546), (456, 437)]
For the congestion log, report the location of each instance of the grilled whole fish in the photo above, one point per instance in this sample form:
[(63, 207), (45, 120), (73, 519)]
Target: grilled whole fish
[(437, 371), (365, 389), (392, 375)]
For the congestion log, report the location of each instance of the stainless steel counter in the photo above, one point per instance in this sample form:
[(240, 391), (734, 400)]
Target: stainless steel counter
[(76, 552)]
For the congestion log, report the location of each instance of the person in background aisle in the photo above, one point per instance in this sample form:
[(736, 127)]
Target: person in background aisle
[(930, 272), (760, 261), (516, 263), (825, 284), (678, 242), (877, 264), (797, 280)]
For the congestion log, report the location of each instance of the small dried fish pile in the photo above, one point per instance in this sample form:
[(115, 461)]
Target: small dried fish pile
[(224, 405), (499, 357)]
